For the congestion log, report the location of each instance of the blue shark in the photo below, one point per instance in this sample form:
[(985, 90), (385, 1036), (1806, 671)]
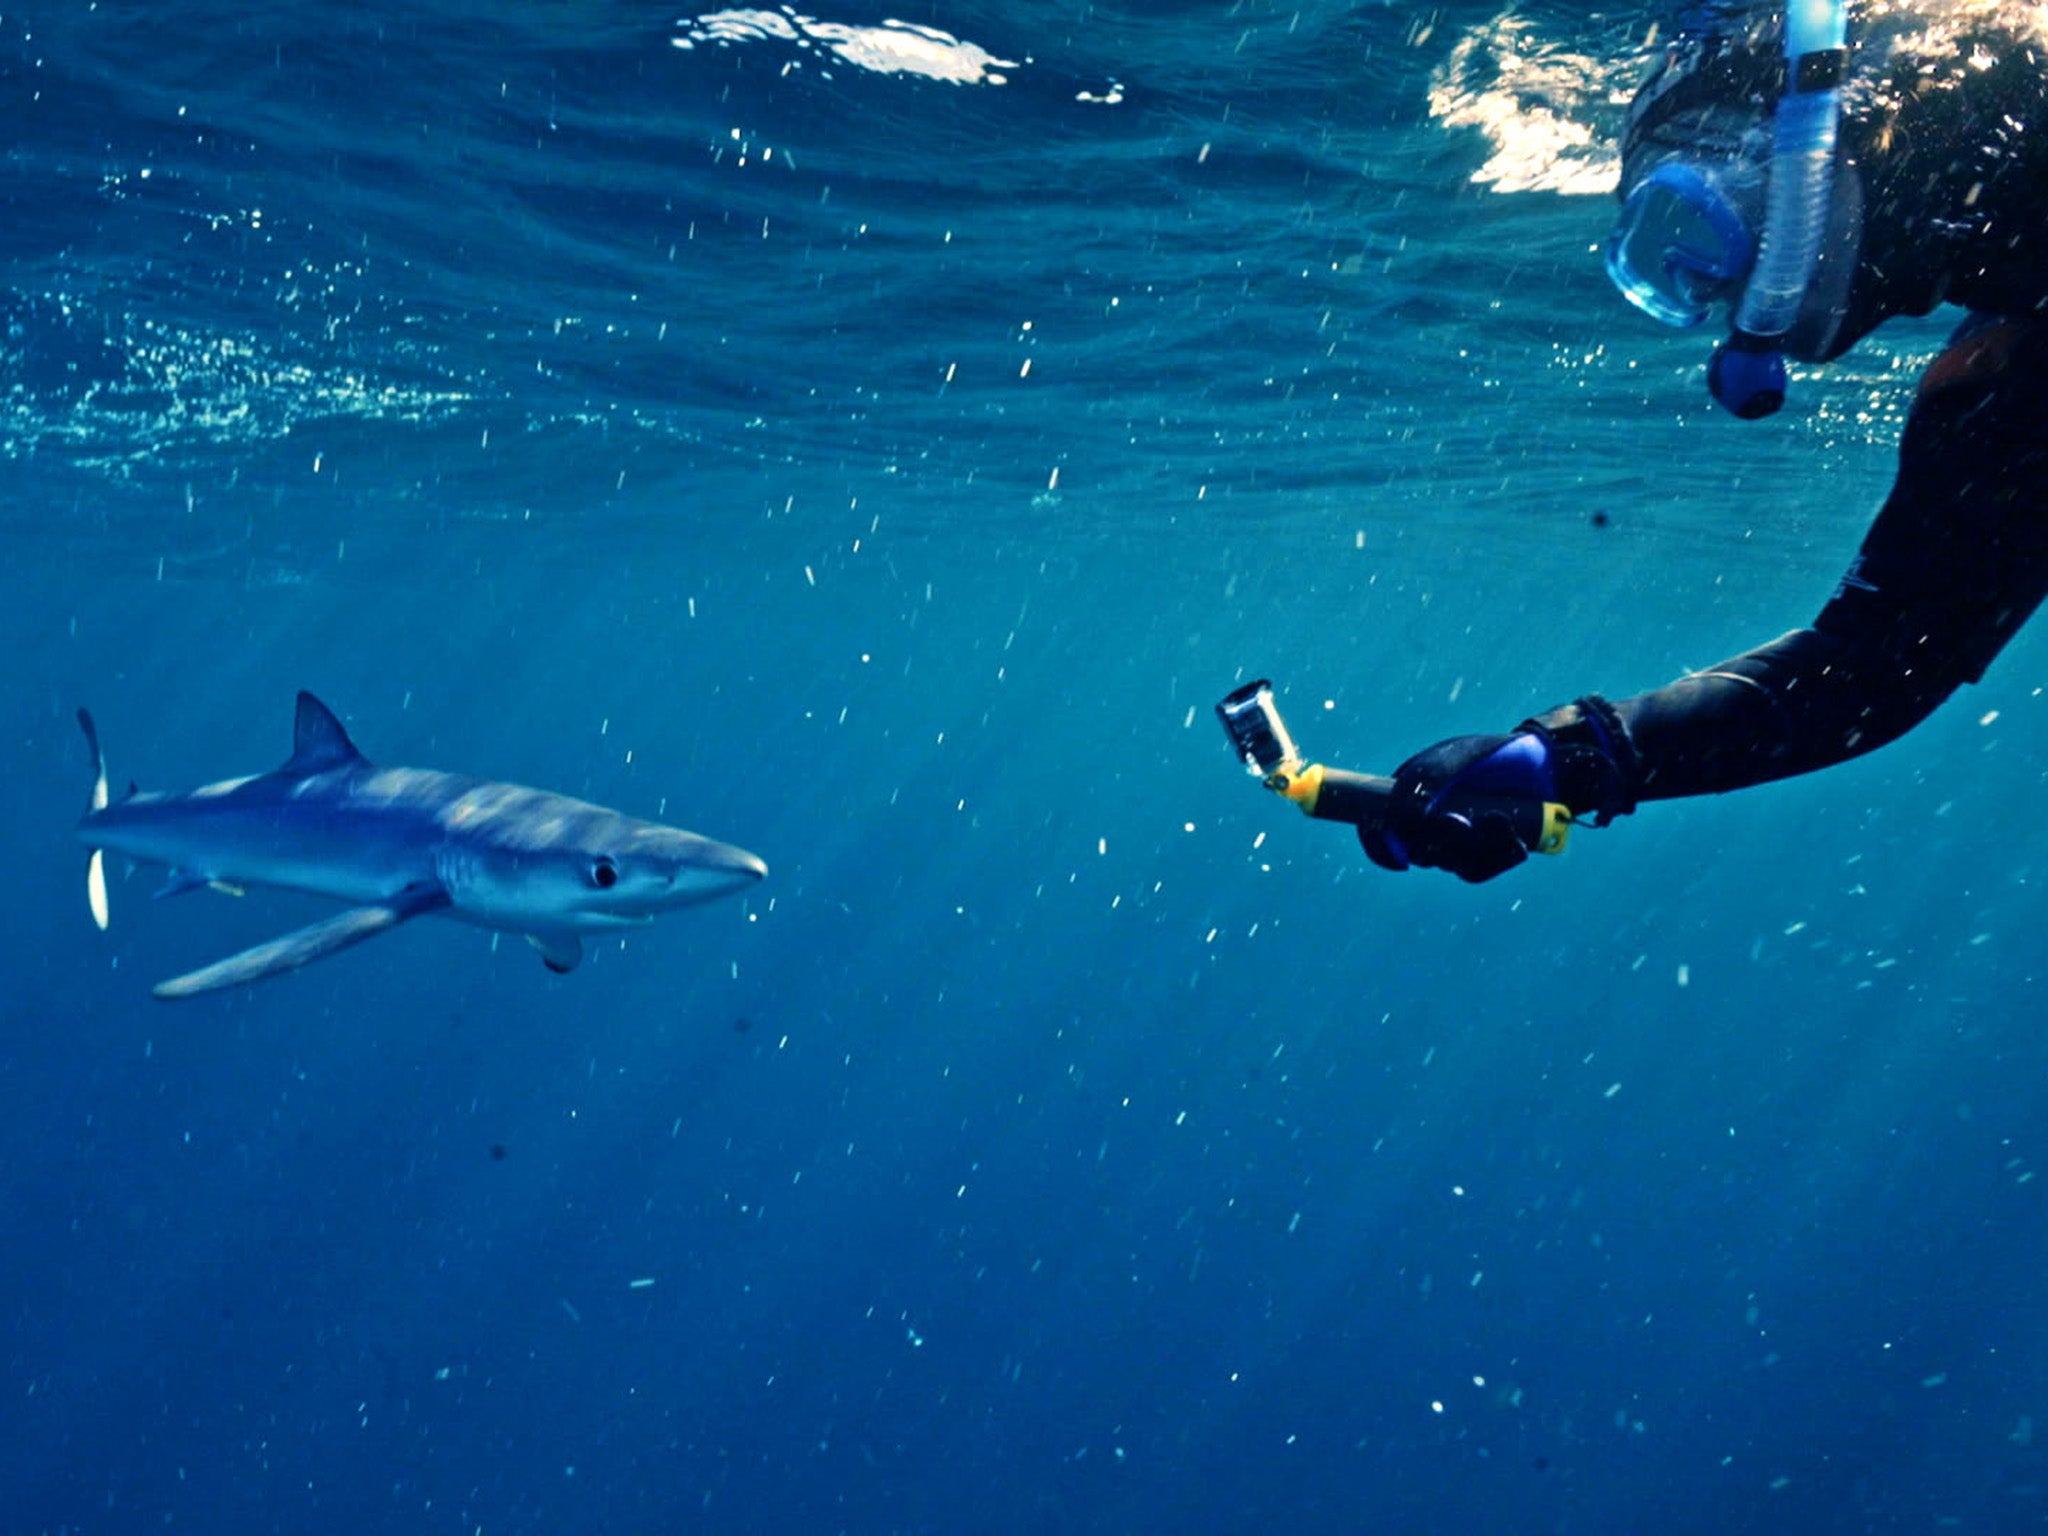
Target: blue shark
[(400, 843)]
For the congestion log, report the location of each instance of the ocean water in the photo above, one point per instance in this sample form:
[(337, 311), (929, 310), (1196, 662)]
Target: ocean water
[(877, 437)]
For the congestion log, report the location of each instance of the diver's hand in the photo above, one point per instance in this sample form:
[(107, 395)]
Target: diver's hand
[(1426, 826)]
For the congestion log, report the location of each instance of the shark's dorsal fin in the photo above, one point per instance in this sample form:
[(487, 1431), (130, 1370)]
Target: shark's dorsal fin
[(319, 744)]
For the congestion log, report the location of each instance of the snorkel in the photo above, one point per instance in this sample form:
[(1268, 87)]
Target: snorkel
[(1747, 374)]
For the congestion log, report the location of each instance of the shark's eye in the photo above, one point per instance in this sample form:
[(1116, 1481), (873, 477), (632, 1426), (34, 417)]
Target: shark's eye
[(604, 874)]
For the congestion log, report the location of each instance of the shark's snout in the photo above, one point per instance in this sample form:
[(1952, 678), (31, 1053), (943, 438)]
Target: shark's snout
[(715, 869)]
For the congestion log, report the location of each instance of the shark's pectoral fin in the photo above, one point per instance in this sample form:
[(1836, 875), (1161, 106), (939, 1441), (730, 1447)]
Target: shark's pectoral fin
[(315, 942), (561, 950)]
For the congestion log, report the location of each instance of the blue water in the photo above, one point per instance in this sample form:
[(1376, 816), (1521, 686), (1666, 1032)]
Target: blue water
[(1067, 1136)]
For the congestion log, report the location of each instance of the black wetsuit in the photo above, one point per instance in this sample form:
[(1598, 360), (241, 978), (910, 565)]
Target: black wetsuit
[(1950, 149), (1953, 566)]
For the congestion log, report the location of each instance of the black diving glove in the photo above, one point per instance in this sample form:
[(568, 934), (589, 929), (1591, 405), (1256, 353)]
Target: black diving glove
[(1445, 813)]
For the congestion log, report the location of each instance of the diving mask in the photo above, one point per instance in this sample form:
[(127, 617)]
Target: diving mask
[(1686, 238)]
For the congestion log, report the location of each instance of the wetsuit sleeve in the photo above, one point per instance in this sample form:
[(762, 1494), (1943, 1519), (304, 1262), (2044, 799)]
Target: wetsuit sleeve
[(1953, 566)]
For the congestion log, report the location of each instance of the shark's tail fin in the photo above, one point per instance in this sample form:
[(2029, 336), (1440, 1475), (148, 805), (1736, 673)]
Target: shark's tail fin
[(96, 866)]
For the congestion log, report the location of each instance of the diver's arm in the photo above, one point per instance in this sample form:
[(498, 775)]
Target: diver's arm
[(1953, 566)]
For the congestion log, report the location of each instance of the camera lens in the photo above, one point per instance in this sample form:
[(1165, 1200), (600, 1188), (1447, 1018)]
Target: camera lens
[(1252, 721)]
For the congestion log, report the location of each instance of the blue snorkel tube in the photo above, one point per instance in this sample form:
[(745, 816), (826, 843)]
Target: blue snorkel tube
[(1747, 374)]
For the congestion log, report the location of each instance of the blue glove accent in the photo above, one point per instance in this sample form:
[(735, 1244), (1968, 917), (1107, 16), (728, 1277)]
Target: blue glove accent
[(1429, 821), (1520, 768)]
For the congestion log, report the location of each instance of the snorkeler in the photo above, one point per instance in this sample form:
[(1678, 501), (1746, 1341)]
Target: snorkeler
[(1816, 189)]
